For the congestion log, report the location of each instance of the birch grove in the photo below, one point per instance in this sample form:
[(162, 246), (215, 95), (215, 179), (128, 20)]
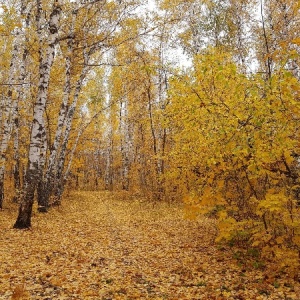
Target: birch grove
[(82, 34), (197, 102)]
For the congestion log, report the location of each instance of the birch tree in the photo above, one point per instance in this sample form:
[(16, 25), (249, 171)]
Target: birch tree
[(15, 86), (37, 150), (6, 115)]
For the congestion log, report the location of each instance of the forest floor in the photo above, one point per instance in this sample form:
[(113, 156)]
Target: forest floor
[(100, 245)]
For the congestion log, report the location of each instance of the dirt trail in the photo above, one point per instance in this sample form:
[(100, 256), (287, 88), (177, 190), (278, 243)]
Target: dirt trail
[(98, 246)]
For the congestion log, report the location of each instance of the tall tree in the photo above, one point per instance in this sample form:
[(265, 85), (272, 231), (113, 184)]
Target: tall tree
[(37, 150), (14, 83)]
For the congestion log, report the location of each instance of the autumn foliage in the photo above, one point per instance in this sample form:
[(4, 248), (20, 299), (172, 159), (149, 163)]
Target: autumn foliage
[(235, 154), (193, 103)]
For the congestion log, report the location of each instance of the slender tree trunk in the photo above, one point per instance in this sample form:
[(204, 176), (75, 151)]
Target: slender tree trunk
[(109, 161), (3, 149), (63, 179), (42, 204), (25, 12), (162, 132), (47, 186), (126, 143), (16, 167), (71, 156), (141, 158), (59, 177), (9, 103), (268, 60)]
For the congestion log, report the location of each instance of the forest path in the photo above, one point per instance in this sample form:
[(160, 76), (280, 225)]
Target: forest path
[(98, 245)]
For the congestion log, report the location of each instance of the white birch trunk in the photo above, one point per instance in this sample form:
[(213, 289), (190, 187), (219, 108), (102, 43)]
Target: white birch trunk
[(68, 126), (108, 177), (26, 9), (9, 103), (37, 149), (48, 183), (61, 184), (67, 172), (126, 144), (109, 163)]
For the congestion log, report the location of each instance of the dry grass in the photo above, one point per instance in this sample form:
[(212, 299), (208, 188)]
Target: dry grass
[(108, 246)]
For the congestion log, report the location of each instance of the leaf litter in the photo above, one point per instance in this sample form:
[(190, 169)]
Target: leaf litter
[(102, 245)]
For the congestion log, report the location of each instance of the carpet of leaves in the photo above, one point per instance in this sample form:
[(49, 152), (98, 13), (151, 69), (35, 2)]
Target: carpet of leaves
[(100, 245)]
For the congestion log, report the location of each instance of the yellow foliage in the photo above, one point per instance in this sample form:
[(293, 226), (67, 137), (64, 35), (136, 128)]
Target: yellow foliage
[(244, 139)]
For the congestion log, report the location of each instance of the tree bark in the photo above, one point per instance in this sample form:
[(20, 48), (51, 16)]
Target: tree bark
[(20, 90), (25, 210)]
